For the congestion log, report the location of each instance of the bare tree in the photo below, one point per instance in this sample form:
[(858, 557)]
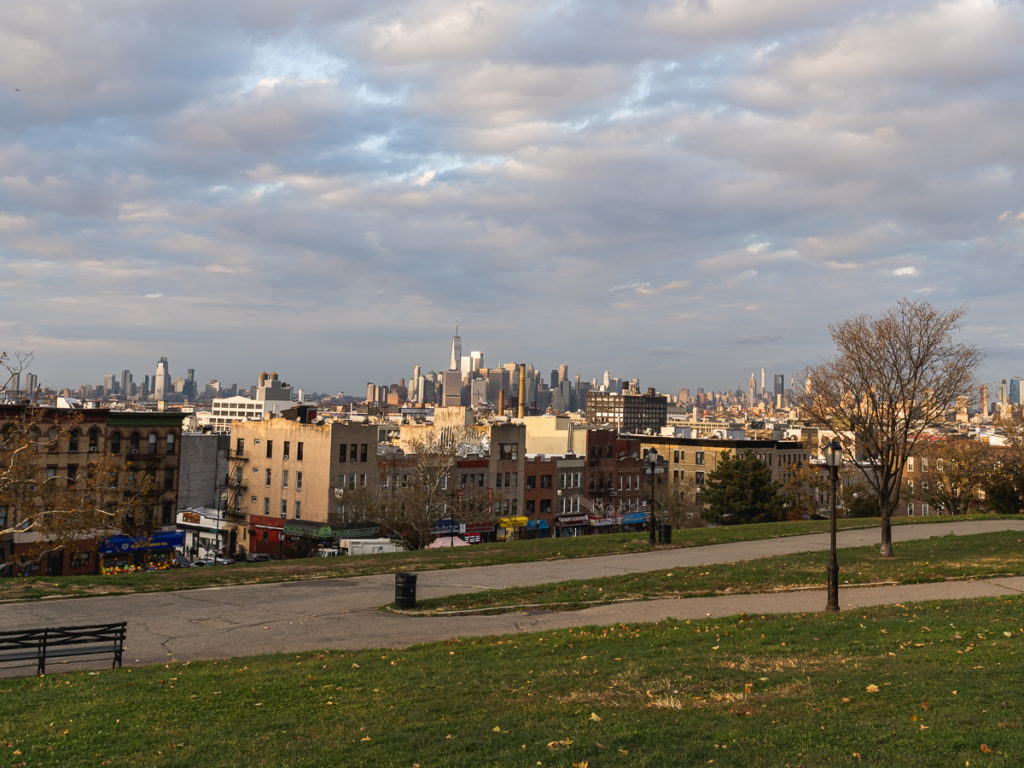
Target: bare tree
[(43, 510), (893, 377), (950, 473), (420, 487)]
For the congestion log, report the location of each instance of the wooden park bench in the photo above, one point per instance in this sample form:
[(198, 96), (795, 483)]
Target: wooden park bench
[(38, 645)]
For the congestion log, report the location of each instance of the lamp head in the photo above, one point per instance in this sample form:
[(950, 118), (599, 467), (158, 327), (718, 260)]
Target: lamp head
[(834, 454)]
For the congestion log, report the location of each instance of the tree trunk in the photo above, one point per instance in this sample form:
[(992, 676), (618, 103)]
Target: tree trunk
[(885, 550)]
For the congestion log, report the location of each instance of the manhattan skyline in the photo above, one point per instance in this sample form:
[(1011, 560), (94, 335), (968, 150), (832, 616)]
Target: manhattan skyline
[(680, 192)]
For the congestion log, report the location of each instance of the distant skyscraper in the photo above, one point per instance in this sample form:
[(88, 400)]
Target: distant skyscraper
[(162, 380), (563, 373), (456, 359), (984, 400), (780, 389), (126, 383), (750, 389), (762, 381), (1014, 393), (1004, 397)]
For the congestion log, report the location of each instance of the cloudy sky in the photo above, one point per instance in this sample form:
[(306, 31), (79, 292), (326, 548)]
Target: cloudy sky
[(680, 190)]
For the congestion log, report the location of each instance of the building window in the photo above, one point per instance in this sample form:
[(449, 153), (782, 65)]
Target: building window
[(133, 442), (341, 453), (698, 478), (152, 442), (362, 481), (298, 451), (353, 452), (531, 482), (698, 458), (252, 499), (298, 481), (287, 450), (910, 464), (284, 508), (266, 506), (268, 478), (239, 447), (115, 443), (545, 481), (94, 440), (72, 475), (168, 479), (298, 510), (270, 449), (73, 440), (170, 442), (508, 451), (924, 507), (362, 452), (3, 517), (284, 478), (910, 510)]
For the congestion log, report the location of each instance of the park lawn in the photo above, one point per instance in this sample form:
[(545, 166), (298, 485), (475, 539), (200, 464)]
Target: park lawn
[(978, 556), (922, 684), (35, 587)]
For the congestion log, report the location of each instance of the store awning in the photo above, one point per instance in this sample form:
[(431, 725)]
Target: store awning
[(157, 540)]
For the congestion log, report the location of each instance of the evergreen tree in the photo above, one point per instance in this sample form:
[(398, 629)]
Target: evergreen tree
[(741, 490)]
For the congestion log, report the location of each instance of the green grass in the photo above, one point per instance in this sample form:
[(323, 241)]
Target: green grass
[(36, 587), (937, 559), (930, 684)]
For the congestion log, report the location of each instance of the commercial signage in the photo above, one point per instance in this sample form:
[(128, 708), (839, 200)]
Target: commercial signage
[(574, 519), (513, 522), (191, 517)]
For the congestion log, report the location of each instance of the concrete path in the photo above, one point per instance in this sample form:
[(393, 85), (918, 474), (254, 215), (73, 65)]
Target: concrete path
[(224, 622)]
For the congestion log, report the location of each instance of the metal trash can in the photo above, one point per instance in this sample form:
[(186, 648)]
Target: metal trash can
[(405, 590), (665, 533)]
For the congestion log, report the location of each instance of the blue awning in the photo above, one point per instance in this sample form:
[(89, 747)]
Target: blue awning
[(158, 540), (634, 518), (537, 525)]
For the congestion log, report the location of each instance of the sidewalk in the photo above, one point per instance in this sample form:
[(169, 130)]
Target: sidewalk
[(343, 613)]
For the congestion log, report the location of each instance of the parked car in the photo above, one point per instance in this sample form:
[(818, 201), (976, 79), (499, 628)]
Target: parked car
[(258, 557), (218, 560)]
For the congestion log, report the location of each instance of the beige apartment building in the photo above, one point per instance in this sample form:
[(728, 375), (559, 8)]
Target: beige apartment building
[(693, 459), (286, 476)]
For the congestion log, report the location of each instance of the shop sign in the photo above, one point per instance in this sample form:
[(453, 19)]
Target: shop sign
[(191, 517), (513, 522), (573, 520)]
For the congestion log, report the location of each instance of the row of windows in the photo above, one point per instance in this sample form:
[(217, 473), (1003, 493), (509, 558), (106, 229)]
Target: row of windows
[(115, 441), (71, 477), (296, 508), (284, 479)]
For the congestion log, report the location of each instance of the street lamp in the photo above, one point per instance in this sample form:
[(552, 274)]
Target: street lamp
[(652, 463), (833, 460)]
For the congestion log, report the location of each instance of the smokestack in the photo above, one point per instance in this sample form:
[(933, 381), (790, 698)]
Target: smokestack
[(263, 378), (522, 390), (501, 402)]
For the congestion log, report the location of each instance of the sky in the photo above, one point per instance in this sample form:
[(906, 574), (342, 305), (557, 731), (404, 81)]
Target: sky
[(678, 191)]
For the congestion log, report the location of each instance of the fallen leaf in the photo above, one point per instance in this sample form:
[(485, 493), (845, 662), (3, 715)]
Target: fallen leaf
[(594, 717), (496, 729), (872, 688), (985, 748)]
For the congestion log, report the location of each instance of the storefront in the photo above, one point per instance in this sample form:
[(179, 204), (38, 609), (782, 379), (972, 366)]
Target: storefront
[(127, 554), (572, 525), (508, 527), (477, 533)]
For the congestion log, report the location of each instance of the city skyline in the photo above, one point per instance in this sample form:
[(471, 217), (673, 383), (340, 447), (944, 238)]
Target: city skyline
[(679, 192)]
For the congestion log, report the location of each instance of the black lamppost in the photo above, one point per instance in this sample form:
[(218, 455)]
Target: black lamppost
[(833, 460), (652, 463)]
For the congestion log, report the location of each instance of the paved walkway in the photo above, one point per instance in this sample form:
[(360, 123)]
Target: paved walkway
[(224, 622)]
